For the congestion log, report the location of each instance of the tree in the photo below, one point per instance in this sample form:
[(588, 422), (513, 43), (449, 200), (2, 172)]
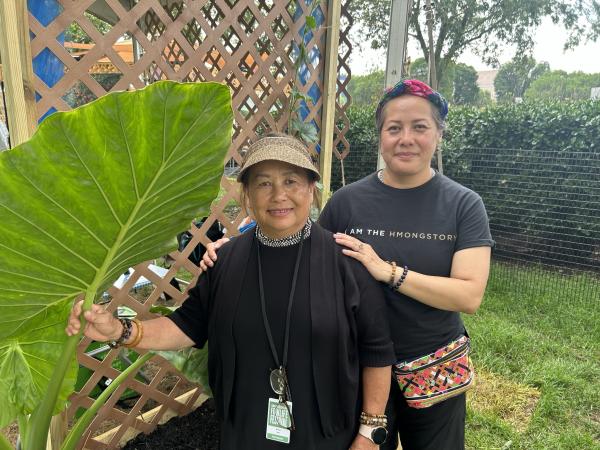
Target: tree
[(465, 89), (74, 33), (482, 26), (516, 76), (366, 89), (458, 84), (560, 85)]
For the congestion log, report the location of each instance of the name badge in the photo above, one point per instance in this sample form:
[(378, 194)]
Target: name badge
[(279, 421)]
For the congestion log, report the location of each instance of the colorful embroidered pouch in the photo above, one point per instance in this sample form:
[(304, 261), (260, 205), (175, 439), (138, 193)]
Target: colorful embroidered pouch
[(438, 376)]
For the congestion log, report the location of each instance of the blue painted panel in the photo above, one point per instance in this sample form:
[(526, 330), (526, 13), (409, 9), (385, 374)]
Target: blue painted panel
[(46, 65)]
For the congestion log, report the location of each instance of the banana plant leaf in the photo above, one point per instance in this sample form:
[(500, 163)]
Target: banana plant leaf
[(93, 192)]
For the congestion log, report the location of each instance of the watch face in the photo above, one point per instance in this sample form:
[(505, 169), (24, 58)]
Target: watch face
[(379, 435)]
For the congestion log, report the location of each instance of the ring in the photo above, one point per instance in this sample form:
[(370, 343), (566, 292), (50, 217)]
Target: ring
[(360, 246)]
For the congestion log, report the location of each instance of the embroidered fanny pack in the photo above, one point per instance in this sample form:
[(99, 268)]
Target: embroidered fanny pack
[(433, 378)]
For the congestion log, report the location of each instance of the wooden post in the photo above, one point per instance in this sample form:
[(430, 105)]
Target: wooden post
[(334, 8), (432, 73), (17, 70), (397, 39)]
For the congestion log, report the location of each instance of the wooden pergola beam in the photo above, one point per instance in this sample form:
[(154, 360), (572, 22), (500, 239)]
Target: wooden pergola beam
[(17, 70), (334, 8)]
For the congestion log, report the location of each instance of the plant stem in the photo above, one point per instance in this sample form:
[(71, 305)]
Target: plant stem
[(4, 444), (39, 422), (77, 431)]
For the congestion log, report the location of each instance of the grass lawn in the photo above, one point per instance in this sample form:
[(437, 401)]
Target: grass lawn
[(538, 357)]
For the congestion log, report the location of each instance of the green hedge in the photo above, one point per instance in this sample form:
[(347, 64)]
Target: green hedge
[(362, 159), (536, 164)]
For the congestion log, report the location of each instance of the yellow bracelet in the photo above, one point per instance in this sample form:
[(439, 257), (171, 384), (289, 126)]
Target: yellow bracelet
[(138, 336)]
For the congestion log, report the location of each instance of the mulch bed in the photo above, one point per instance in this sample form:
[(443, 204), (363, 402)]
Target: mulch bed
[(199, 430)]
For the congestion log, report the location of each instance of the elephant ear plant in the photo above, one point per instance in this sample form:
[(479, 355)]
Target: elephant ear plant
[(93, 192)]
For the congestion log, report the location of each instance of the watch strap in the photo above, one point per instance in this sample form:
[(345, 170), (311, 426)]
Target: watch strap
[(367, 431)]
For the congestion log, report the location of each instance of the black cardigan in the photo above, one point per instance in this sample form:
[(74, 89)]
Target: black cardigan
[(345, 298)]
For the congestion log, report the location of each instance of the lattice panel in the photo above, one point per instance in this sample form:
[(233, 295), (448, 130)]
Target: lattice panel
[(249, 45), (344, 100)]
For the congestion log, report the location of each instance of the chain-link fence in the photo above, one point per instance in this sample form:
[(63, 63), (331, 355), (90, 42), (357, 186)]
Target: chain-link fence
[(544, 210), (360, 162)]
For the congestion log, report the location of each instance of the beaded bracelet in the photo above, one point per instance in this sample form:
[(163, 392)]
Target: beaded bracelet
[(393, 277), (139, 335), (125, 334), (396, 286), (373, 419)]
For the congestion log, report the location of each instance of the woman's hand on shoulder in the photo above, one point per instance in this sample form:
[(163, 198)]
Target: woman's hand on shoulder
[(364, 253), (210, 255)]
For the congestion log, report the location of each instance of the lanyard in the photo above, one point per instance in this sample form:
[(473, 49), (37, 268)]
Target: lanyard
[(289, 309)]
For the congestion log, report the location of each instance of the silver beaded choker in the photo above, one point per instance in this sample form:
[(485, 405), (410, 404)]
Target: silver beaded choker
[(283, 242)]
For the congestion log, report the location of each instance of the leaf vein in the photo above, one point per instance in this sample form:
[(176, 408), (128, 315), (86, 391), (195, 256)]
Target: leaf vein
[(36, 261), (72, 216), (129, 154), (42, 231), (37, 279), (104, 196)]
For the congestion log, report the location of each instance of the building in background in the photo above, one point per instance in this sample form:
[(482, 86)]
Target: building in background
[(485, 81)]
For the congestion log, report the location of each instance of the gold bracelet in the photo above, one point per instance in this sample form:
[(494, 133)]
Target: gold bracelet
[(138, 336), (393, 277), (373, 419)]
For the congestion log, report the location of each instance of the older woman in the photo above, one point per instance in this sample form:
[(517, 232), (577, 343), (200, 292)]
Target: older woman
[(427, 238), (293, 325)]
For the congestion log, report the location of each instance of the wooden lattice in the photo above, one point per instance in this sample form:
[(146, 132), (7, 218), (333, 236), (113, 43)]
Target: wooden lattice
[(249, 45)]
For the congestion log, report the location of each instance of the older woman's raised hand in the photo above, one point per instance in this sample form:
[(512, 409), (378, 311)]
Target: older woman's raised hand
[(377, 267), (100, 325)]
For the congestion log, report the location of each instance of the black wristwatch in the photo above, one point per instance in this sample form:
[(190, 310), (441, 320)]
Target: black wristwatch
[(376, 434)]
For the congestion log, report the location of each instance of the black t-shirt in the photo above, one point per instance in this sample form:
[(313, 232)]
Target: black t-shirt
[(422, 228)]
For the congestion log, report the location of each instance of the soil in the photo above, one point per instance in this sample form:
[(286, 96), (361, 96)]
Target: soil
[(199, 430), (11, 433)]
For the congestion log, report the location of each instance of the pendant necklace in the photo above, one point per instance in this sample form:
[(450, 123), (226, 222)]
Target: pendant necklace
[(278, 377)]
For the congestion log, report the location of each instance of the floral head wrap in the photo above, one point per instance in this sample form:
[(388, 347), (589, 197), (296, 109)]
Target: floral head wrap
[(413, 87)]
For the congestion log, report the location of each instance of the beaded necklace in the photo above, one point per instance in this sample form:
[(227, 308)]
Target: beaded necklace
[(286, 241)]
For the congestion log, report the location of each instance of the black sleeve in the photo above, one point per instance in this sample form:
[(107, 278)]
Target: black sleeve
[(375, 345), (193, 314), (331, 217), (473, 225)]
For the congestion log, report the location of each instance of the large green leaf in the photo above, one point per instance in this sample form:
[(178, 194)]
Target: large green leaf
[(193, 363), (94, 191)]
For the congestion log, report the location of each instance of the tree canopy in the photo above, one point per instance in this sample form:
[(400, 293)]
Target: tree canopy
[(482, 26), (560, 85), (515, 77), (74, 33), (458, 85), (366, 89)]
